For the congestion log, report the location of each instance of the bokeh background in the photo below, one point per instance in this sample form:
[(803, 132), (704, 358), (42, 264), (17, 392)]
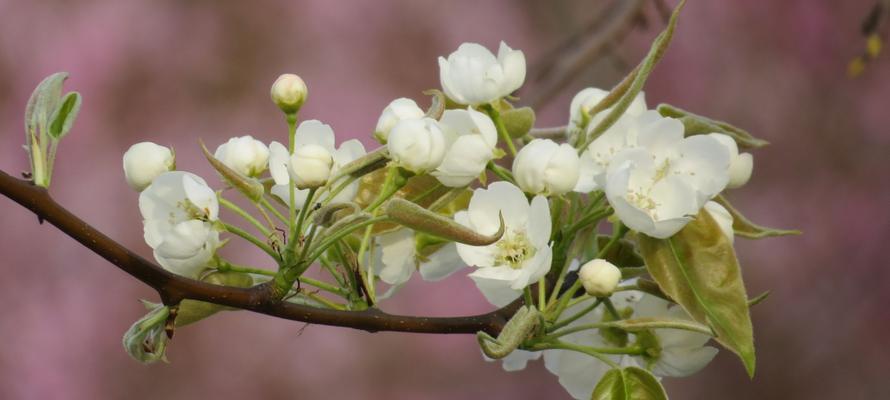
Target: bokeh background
[(176, 71)]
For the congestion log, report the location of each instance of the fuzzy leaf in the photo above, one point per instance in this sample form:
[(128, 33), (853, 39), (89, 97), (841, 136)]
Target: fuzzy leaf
[(517, 329), (64, 115), (699, 125), (745, 228), (698, 268), (629, 383), (42, 103), (413, 216)]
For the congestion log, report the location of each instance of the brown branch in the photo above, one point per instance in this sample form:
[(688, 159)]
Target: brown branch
[(174, 288)]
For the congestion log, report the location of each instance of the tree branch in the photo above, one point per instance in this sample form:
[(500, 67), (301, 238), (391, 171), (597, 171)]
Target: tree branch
[(174, 288)]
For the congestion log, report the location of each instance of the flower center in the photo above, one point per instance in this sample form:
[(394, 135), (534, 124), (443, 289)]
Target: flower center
[(642, 196), (513, 249), (191, 211)]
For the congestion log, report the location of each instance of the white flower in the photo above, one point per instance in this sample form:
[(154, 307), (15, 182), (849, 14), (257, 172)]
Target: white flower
[(396, 111), (741, 165), (244, 154), (657, 187), (545, 167), (523, 253), (289, 93), (313, 134), (472, 75), (588, 98), (178, 209), (310, 166), (417, 144), (144, 161), (599, 277), (400, 258), (723, 218), (676, 353), (471, 138)]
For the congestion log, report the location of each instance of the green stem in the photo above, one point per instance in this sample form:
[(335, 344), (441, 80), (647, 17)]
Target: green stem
[(252, 239), (542, 293), (502, 130), (265, 203), (527, 296), (611, 308), (591, 351), (244, 214), (396, 178), (575, 316), (226, 266), (291, 188), (501, 172), (330, 240)]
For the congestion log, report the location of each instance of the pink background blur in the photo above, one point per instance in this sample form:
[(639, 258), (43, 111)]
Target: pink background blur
[(175, 71)]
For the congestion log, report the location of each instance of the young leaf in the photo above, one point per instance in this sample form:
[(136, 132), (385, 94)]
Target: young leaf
[(697, 268), (745, 228), (413, 216), (699, 125), (42, 103), (64, 115), (629, 383)]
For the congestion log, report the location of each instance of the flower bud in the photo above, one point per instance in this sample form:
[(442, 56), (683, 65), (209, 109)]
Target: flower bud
[(599, 277), (144, 161), (244, 154), (472, 75), (740, 165), (310, 166), (396, 111), (417, 144), (545, 167), (289, 92)]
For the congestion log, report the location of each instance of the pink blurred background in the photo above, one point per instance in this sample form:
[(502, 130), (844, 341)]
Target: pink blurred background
[(175, 71)]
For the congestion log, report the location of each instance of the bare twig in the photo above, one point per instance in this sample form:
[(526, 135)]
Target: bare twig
[(174, 288)]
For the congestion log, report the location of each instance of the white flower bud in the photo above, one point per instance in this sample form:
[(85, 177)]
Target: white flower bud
[(723, 218), (417, 144), (396, 111), (472, 138), (289, 92), (545, 167), (244, 154), (144, 161), (310, 166), (472, 75), (599, 277), (740, 166)]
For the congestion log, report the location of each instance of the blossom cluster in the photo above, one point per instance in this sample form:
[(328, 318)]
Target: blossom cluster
[(467, 184)]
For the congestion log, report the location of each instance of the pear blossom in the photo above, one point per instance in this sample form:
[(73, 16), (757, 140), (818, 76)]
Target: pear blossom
[(244, 154), (521, 256), (312, 141), (657, 187), (178, 210), (599, 277), (723, 218), (546, 167), (471, 138), (144, 161), (289, 93), (586, 99), (472, 75), (397, 110), (417, 144), (400, 257), (740, 166)]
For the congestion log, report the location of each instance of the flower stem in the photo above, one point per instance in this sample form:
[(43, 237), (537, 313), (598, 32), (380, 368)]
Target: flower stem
[(575, 316), (291, 188), (330, 240), (591, 351), (502, 130), (252, 239), (244, 214), (501, 172), (265, 203)]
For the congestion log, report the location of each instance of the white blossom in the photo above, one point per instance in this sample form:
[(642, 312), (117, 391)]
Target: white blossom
[(417, 144), (622, 135), (523, 253), (397, 110), (244, 154), (144, 161), (472, 75), (657, 187), (586, 99), (471, 139), (399, 258), (599, 277), (740, 166), (545, 167), (723, 218), (178, 210), (289, 92)]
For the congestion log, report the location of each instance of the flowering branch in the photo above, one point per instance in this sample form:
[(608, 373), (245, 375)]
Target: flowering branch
[(174, 288)]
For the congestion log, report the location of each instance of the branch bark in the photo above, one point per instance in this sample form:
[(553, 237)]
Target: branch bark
[(174, 288)]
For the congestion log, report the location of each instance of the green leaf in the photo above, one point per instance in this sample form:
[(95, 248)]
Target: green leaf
[(699, 125), (44, 100), (628, 89), (745, 228), (518, 121), (698, 268), (622, 254), (631, 383), (249, 187), (64, 115)]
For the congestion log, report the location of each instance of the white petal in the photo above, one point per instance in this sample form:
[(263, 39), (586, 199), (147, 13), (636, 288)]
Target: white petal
[(680, 362), (496, 291), (539, 223), (722, 217), (314, 132), (398, 256), (441, 264), (513, 64), (502, 197), (279, 159)]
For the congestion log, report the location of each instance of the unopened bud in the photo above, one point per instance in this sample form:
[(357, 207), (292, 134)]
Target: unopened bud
[(144, 161), (599, 277), (310, 166), (289, 92)]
